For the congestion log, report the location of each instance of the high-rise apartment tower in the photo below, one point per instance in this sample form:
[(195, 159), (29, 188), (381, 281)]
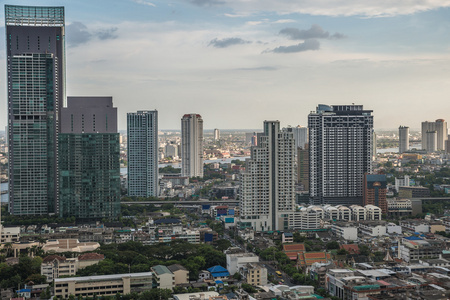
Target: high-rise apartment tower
[(267, 192), (440, 126), (89, 159), (340, 152), (192, 145), (403, 139), (36, 91), (216, 134), (142, 142)]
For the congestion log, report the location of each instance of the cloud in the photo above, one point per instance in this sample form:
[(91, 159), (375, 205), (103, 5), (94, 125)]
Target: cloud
[(338, 36), (284, 21), (107, 33), (77, 34), (315, 32), (310, 44), (265, 68), (206, 2), (144, 2), (224, 43), (362, 8)]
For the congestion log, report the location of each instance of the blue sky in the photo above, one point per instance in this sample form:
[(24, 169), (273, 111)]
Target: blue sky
[(239, 62)]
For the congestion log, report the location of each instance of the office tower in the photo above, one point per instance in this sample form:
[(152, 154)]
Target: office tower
[(375, 189), (142, 128), (431, 139), (303, 166), (440, 126), (268, 183), (403, 139), (171, 150), (300, 136), (36, 91), (216, 134), (89, 159), (192, 145), (340, 147)]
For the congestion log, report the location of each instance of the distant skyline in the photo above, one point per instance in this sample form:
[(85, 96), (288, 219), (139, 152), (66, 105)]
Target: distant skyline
[(238, 63)]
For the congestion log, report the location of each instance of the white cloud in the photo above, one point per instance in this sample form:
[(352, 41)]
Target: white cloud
[(364, 8), (144, 2), (284, 21)]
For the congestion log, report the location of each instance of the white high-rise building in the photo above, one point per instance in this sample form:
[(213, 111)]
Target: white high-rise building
[(216, 134), (300, 136), (440, 126), (268, 183), (192, 145), (403, 139), (142, 143), (340, 152), (431, 137)]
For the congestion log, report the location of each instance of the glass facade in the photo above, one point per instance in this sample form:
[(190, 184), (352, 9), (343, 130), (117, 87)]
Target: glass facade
[(89, 171)]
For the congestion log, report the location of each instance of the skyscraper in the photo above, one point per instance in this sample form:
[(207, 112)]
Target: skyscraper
[(431, 138), (340, 147), (192, 145), (440, 126), (216, 134), (303, 166), (300, 136), (89, 159), (36, 91), (267, 191), (403, 139), (142, 128)]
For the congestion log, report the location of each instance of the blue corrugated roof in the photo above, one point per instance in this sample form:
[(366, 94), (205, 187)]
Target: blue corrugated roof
[(412, 238)]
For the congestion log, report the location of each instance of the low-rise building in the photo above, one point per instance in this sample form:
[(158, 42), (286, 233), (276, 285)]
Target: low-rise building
[(237, 259), (181, 274), (373, 228), (163, 278), (103, 285), (345, 230), (399, 207), (255, 274)]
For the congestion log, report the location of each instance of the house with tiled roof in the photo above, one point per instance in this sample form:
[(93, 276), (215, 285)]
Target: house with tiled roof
[(89, 259), (293, 250), (306, 259)]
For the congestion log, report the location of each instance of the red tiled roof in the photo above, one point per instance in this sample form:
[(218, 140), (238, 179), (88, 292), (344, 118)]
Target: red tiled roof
[(53, 257), (307, 259), (91, 256), (294, 247)]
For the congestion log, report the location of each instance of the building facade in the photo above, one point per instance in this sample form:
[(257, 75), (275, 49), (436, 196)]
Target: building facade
[(375, 189), (36, 91), (89, 159), (300, 136), (340, 153), (303, 166), (216, 134), (403, 139), (192, 145), (440, 126), (142, 147), (268, 182)]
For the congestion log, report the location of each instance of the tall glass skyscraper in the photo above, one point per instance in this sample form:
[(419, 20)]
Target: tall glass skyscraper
[(36, 90), (89, 159), (142, 142)]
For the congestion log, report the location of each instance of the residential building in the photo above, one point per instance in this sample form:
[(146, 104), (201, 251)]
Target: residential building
[(300, 136), (440, 127), (372, 228), (401, 182), (255, 274), (103, 285), (267, 191), (415, 248), (305, 219), (35, 64), (431, 140), (181, 274), (237, 259), (55, 266), (287, 237), (403, 139), (415, 226), (340, 152), (373, 213), (216, 134), (192, 145), (303, 166), (358, 213), (89, 159), (375, 189), (142, 148), (163, 278)]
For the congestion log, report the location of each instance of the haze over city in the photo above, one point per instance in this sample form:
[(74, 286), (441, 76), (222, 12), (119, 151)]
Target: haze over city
[(240, 62)]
